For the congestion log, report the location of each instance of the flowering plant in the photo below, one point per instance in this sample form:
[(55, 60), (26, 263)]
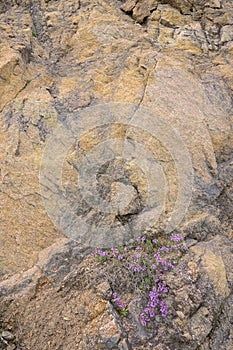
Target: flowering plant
[(147, 261)]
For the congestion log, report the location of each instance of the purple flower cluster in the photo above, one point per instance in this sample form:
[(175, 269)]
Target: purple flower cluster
[(101, 252), (155, 303), (165, 249), (114, 251), (177, 238), (102, 255), (118, 301), (151, 260), (137, 267), (141, 239), (163, 308), (164, 265)]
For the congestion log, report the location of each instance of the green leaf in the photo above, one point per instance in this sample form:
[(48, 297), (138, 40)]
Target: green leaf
[(147, 280), (101, 258), (124, 312), (142, 286)]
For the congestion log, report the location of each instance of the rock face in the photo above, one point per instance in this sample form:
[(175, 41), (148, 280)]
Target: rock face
[(62, 59)]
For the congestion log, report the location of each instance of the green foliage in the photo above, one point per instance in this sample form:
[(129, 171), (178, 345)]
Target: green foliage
[(124, 312)]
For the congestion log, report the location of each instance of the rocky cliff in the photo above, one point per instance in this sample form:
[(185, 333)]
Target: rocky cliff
[(162, 71)]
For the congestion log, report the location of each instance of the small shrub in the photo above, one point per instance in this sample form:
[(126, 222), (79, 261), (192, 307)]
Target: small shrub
[(142, 266)]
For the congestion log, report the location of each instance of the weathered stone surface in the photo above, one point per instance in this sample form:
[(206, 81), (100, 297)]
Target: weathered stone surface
[(200, 288), (57, 58)]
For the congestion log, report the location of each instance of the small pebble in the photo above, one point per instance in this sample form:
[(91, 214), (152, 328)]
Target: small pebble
[(123, 345), (11, 347), (180, 314), (7, 335)]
